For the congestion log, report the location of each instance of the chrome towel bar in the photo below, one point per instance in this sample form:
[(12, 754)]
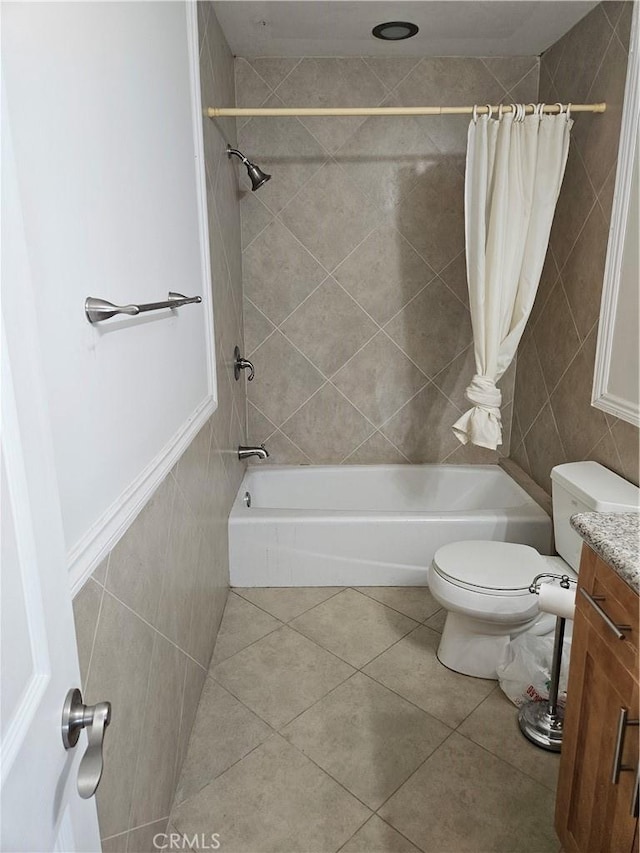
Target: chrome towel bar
[(99, 309)]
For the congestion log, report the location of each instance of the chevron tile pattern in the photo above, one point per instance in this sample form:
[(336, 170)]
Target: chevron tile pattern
[(356, 308)]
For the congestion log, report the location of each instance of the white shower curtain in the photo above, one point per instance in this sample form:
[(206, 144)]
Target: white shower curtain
[(514, 171)]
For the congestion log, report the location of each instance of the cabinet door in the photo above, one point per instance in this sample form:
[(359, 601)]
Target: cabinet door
[(592, 813)]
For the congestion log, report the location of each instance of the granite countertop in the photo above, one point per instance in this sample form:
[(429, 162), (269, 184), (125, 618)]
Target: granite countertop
[(616, 538)]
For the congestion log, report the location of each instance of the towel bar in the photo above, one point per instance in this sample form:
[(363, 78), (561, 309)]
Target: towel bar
[(99, 309)]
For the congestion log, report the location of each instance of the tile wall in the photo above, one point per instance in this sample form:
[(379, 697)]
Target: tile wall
[(553, 420), (147, 619), (355, 307)]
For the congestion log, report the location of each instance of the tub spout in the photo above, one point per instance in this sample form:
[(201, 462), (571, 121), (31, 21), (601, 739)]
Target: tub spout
[(247, 452)]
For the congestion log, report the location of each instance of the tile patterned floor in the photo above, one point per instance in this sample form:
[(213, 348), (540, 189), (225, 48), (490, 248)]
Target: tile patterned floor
[(327, 724)]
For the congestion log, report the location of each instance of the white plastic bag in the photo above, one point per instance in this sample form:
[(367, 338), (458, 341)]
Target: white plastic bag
[(524, 671)]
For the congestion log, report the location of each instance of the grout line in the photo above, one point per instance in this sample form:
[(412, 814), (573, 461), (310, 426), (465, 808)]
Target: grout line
[(506, 91), (117, 835), (593, 190), (143, 825), (237, 314), (558, 431), (145, 706), (327, 381), (395, 643), (95, 630), (260, 412), (612, 170), (395, 609), (604, 55), (394, 828), (295, 411), (297, 447), (213, 665), (272, 218), (287, 75), (389, 88), (323, 770), (500, 758), (153, 628), (300, 634), (413, 396), (177, 770), (306, 299), (239, 59), (362, 443), (552, 77), (411, 775), (217, 776), (311, 607)]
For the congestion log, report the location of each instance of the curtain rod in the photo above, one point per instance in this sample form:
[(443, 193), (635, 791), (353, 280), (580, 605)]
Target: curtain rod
[(219, 112)]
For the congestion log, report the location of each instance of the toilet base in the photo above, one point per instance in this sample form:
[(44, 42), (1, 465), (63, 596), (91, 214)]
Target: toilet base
[(474, 647)]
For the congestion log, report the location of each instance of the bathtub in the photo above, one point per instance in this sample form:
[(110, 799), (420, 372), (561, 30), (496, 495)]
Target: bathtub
[(374, 525)]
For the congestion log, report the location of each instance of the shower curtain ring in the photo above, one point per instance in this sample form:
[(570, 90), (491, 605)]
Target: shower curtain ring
[(540, 110), (567, 114), (475, 114), (559, 106), (500, 109), (534, 109), (489, 110)]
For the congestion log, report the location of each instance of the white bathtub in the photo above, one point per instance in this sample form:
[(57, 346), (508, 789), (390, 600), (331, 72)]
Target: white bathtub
[(370, 525)]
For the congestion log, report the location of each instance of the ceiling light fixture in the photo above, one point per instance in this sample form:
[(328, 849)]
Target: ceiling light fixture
[(394, 30)]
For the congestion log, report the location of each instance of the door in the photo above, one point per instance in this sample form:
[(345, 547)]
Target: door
[(40, 806)]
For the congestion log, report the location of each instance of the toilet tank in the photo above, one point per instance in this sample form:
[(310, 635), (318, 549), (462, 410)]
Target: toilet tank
[(585, 487)]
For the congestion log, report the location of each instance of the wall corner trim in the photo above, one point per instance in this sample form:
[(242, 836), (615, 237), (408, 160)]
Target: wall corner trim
[(112, 525)]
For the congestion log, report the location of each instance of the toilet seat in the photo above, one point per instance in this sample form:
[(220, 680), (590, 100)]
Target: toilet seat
[(490, 568), (487, 580)]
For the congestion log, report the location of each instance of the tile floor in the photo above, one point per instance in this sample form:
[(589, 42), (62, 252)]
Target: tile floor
[(327, 724)]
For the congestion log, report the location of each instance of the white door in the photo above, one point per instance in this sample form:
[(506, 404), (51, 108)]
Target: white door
[(40, 806)]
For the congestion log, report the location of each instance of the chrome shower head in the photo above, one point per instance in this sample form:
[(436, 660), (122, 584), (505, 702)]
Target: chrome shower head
[(256, 175)]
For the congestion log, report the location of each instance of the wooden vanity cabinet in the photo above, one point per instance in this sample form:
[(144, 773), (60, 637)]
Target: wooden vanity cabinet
[(593, 812)]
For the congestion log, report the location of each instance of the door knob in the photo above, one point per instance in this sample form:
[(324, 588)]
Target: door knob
[(95, 718)]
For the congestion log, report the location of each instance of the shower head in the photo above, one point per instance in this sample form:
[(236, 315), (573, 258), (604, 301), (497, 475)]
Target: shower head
[(256, 175)]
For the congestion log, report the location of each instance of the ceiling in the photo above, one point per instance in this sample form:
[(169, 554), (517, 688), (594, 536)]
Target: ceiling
[(447, 27)]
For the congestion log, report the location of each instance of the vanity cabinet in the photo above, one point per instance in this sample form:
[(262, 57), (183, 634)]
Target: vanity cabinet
[(597, 801)]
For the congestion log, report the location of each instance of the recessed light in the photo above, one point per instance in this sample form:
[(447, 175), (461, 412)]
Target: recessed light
[(394, 30)]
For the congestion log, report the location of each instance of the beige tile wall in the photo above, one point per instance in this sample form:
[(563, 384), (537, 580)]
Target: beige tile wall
[(554, 421), (147, 620), (355, 308)]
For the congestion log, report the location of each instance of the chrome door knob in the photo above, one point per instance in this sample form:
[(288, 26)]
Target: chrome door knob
[(95, 718)]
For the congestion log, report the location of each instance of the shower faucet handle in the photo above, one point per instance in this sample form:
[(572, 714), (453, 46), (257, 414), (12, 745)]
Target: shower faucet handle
[(240, 363)]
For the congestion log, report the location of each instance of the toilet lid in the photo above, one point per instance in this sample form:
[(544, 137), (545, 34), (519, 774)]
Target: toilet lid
[(494, 567)]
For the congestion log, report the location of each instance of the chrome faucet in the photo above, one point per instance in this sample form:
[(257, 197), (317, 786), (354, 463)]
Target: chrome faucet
[(247, 452)]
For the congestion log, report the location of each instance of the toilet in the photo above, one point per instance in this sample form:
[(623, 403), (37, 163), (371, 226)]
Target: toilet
[(484, 586)]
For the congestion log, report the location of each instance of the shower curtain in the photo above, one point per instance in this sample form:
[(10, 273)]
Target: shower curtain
[(515, 166)]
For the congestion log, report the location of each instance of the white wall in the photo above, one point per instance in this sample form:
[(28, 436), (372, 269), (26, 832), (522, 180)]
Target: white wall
[(104, 103)]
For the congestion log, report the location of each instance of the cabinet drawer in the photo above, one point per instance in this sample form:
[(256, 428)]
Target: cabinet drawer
[(611, 606)]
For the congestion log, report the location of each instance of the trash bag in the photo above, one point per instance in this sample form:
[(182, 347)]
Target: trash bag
[(524, 670)]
